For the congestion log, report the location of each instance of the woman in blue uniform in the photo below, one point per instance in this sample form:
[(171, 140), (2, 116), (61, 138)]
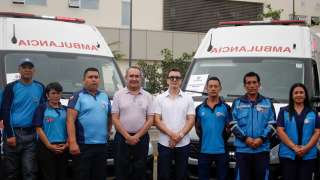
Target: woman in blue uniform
[(299, 130), (50, 122)]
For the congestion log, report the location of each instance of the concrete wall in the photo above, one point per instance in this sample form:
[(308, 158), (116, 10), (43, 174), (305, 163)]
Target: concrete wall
[(147, 14), (147, 44)]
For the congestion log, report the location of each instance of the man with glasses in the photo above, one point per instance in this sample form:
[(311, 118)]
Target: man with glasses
[(21, 98), (174, 117), (132, 116)]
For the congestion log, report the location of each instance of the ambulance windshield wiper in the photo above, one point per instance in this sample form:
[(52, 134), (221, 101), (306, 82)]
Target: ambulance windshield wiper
[(234, 95), (203, 93), (67, 95)]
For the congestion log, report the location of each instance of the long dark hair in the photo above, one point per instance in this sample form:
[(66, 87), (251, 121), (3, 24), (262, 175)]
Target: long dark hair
[(306, 102)]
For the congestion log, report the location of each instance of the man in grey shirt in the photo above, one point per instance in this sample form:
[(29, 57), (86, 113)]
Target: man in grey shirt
[(132, 116)]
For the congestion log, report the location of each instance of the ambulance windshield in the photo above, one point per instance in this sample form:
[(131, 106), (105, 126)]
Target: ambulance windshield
[(277, 75), (66, 69)]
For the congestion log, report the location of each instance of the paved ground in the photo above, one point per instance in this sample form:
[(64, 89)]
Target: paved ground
[(154, 136)]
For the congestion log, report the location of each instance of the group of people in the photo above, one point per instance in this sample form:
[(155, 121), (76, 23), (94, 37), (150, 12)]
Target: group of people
[(40, 132)]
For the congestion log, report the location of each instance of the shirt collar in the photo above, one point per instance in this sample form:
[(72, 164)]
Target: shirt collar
[(87, 92), (167, 94), (246, 98), (127, 91)]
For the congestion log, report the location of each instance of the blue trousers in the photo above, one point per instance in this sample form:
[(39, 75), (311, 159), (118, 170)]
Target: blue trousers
[(91, 163), (20, 161), (205, 162), (180, 157), (252, 166), (131, 160), (297, 169)]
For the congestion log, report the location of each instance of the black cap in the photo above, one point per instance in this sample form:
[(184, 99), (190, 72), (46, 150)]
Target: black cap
[(26, 61)]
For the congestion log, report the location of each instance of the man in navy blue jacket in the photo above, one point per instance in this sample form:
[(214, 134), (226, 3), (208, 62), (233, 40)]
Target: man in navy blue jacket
[(253, 125), (21, 98)]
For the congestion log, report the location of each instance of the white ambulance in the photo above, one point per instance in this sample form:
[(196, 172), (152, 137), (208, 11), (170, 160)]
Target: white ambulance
[(281, 52), (61, 48)]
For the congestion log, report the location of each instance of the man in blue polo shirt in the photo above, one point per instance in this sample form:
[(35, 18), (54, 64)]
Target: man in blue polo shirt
[(20, 100), (212, 118), (88, 124)]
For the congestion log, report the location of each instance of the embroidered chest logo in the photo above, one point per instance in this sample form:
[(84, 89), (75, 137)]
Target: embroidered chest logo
[(306, 121), (49, 119), (104, 104), (219, 114), (262, 108)]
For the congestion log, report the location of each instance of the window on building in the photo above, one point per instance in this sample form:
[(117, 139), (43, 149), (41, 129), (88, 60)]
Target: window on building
[(89, 4), (125, 14), (84, 4), (32, 2)]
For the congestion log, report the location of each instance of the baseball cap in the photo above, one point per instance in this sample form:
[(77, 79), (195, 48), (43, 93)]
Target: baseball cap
[(26, 61)]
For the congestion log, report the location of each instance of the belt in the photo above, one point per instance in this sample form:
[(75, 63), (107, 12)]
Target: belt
[(26, 129)]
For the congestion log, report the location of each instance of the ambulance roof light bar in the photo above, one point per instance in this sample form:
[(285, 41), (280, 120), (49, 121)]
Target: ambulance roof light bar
[(270, 22), (32, 16)]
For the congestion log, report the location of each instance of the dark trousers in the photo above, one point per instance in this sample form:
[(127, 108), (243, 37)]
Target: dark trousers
[(205, 162), (21, 159), (180, 157), (297, 169), (252, 166), (91, 163), (130, 160), (52, 166)]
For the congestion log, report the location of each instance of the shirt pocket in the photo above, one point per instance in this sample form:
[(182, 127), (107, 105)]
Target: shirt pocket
[(242, 117)]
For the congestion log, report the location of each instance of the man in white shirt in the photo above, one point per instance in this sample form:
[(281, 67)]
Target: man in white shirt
[(174, 117)]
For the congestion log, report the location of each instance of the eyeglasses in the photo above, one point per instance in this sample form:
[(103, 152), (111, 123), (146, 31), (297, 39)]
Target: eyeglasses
[(172, 78)]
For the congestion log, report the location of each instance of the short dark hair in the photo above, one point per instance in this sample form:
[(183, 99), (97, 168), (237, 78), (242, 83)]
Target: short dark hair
[(175, 70), (53, 86), (213, 78), (134, 67), (90, 69), (251, 74)]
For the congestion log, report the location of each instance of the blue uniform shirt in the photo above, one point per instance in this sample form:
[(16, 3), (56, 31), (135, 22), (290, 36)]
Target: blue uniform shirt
[(19, 103), (255, 120), (92, 121), (1, 93), (1, 97), (213, 122), (52, 121), (299, 129)]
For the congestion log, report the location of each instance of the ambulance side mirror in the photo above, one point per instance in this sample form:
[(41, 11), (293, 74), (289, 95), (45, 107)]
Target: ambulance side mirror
[(315, 102)]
